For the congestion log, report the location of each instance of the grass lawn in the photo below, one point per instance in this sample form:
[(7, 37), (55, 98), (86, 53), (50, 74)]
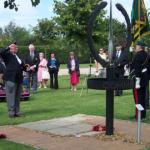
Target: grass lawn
[(47, 104), (64, 66), (7, 145)]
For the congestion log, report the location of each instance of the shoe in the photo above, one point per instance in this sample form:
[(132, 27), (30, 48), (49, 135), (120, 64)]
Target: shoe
[(11, 115), (40, 87), (45, 87), (75, 90), (19, 114), (34, 91)]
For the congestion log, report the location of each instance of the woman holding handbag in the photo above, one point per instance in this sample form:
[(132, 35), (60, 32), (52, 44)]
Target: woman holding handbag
[(43, 74)]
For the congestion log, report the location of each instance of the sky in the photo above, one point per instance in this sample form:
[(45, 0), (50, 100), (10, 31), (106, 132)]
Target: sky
[(27, 16)]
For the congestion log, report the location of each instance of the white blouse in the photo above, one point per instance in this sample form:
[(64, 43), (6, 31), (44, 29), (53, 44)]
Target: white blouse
[(73, 64)]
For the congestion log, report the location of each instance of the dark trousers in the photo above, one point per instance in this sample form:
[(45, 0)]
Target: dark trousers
[(53, 78), (140, 98), (119, 75), (147, 96), (32, 77)]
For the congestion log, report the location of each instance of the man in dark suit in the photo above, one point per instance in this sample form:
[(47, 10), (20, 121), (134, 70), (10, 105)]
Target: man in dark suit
[(13, 77), (32, 59), (120, 59), (140, 67)]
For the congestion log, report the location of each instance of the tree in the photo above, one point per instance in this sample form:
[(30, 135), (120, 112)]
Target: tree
[(45, 31), (12, 5), (72, 17), (16, 33)]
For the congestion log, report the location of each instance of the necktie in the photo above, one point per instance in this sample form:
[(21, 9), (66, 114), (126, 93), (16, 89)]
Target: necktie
[(118, 54), (32, 55)]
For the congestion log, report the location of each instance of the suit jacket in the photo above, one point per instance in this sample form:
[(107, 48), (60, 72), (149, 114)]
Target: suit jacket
[(34, 61), (120, 61), (14, 70), (77, 69)]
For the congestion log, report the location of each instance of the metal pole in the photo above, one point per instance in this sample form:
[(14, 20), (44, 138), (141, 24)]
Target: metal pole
[(110, 103), (139, 127), (109, 112), (110, 46), (110, 76)]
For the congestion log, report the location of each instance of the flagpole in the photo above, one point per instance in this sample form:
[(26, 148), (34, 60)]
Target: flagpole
[(139, 19), (110, 46)]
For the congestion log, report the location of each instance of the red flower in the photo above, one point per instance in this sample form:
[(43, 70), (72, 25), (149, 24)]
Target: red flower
[(99, 128), (2, 136)]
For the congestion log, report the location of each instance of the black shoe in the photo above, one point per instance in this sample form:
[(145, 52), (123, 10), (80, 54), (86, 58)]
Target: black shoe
[(11, 115), (19, 114)]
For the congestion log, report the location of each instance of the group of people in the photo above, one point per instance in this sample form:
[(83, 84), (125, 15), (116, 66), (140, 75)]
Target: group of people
[(34, 68), (40, 70), (37, 69), (48, 69), (138, 68)]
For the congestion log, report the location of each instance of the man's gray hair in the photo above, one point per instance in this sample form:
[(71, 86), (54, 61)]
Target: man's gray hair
[(31, 46)]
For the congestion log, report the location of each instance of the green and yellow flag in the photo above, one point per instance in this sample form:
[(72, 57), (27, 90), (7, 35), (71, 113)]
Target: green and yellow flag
[(139, 20)]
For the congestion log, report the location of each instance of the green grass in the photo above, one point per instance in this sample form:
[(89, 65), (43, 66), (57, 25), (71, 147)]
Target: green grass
[(64, 66), (7, 145), (47, 104), (147, 148)]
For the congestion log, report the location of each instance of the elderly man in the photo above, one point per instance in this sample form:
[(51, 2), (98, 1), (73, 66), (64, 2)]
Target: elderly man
[(32, 60), (13, 79)]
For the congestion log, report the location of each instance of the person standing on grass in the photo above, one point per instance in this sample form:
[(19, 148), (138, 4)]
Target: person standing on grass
[(32, 59), (53, 67), (140, 68), (100, 70), (13, 77), (43, 74), (74, 71), (120, 58)]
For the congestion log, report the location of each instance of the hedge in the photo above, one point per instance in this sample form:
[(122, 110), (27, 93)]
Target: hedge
[(61, 54)]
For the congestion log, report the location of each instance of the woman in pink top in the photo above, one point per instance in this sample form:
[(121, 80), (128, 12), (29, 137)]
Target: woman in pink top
[(41, 71)]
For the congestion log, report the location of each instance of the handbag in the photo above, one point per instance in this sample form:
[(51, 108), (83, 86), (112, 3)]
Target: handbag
[(45, 74)]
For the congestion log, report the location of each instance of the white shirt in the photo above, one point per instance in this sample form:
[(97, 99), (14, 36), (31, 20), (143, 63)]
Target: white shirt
[(18, 59), (103, 56), (73, 64), (118, 53)]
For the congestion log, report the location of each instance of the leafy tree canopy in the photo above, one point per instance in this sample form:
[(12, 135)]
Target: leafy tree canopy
[(12, 5)]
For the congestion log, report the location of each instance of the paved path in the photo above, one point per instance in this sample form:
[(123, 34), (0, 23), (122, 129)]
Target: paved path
[(53, 134)]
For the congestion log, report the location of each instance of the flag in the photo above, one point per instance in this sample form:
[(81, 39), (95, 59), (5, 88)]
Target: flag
[(139, 20)]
